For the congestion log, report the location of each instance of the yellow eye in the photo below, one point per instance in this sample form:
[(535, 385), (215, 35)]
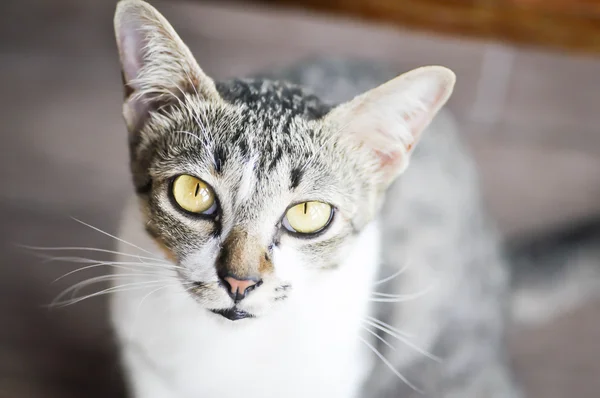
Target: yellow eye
[(194, 195), (308, 217)]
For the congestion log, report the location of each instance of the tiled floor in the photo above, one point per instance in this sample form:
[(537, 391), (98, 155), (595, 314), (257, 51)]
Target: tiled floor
[(530, 117)]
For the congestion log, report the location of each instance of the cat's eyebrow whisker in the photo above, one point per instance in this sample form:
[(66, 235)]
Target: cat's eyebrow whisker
[(176, 97), (389, 365), (193, 112), (188, 133), (111, 236), (197, 117), (404, 340), (92, 249), (193, 135), (378, 337)]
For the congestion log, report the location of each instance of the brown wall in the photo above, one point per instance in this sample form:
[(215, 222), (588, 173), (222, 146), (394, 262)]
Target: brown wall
[(566, 24)]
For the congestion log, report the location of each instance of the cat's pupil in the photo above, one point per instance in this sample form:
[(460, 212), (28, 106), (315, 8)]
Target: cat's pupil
[(197, 189), (305, 207)]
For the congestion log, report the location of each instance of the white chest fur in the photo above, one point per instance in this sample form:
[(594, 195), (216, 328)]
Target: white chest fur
[(308, 347)]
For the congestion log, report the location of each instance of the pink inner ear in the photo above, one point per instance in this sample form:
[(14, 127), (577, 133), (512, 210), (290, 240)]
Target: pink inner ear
[(392, 160), (419, 123), (132, 47), (389, 160)]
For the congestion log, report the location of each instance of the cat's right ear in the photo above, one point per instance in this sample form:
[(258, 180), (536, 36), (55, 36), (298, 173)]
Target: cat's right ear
[(157, 67), (387, 121)]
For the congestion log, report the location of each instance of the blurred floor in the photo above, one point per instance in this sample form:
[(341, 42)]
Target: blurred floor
[(531, 118)]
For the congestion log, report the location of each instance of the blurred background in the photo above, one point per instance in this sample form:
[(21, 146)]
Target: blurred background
[(528, 100)]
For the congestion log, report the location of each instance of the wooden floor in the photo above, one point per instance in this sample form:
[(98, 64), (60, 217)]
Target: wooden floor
[(63, 153)]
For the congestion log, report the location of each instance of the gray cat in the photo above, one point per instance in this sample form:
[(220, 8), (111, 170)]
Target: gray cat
[(325, 241)]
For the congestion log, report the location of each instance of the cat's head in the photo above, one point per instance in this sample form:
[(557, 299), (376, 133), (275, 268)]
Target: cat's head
[(252, 186)]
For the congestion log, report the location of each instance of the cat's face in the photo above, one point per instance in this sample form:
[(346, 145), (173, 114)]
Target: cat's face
[(250, 191), (254, 188)]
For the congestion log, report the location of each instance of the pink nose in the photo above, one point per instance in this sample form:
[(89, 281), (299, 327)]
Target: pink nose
[(239, 288)]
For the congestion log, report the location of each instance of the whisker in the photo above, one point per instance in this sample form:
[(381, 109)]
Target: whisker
[(141, 260), (193, 111), (112, 236), (393, 276), (190, 80), (396, 330), (103, 278), (404, 340), (85, 260), (378, 337), (146, 296), (195, 136), (93, 249), (156, 290), (92, 266), (389, 300), (390, 366), (73, 301), (388, 295), (164, 308), (113, 289), (120, 265), (385, 298), (137, 312)]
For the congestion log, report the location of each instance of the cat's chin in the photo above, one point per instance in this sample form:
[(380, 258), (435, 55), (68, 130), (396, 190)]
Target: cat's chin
[(233, 314)]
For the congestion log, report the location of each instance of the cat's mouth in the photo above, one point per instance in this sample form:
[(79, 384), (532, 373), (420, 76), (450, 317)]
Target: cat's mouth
[(233, 314)]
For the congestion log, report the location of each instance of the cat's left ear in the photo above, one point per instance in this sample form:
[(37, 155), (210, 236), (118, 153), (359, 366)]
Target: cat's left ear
[(388, 120), (157, 66)]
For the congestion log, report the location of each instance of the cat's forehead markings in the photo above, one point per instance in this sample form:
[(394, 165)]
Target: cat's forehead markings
[(279, 100), (219, 158), (273, 128), (247, 181), (295, 177)]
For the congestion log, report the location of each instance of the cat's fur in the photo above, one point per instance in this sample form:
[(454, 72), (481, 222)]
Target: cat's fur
[(264, 144)]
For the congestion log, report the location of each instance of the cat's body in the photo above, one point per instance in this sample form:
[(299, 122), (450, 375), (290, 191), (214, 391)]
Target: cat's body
[(315, 336), (168, 342)]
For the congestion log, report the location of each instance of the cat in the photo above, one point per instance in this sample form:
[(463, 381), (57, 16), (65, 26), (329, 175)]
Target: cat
[(317, 232)]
